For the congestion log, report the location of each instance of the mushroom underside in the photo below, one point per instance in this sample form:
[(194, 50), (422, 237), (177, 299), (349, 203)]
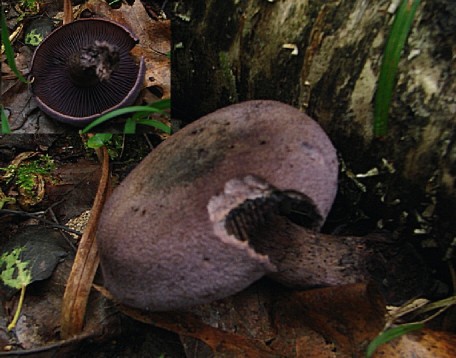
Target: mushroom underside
[(58, 91)]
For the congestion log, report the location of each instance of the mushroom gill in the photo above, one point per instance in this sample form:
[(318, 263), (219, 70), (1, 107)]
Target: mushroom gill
[(247, 203), (84, 69)]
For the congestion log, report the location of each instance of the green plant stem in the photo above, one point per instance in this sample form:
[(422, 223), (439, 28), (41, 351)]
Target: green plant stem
[(13, 323), (396, 41), (4, 120)]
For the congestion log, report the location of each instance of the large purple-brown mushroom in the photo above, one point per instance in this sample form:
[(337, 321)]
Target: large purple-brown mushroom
[(84, 69), (176, 232), (234, 196)]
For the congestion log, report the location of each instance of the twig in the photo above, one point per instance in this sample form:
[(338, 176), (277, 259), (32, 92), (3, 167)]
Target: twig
[(67, 239), (86, 262), (13, 37), (45, 221), (67, 12)]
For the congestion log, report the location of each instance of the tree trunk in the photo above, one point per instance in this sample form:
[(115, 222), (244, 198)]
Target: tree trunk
[(324, 58)]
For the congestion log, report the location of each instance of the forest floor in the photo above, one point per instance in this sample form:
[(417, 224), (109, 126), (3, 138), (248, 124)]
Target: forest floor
[(52, 198)]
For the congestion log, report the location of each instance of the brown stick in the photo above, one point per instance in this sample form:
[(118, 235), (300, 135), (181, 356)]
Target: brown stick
[(67, 12), (86, 262)]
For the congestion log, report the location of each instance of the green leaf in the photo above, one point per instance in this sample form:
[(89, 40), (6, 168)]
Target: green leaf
[(38, 249), (119, 112), (387, 79), (33, 38), (99, 140), (5, 124), (30, 255), (391, 334), (156, 124), (9, 50), (164, 104), (15, 272), (130, 126)]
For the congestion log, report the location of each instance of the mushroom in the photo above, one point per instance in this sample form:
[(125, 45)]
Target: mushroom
[(84, 69), (236, 195)]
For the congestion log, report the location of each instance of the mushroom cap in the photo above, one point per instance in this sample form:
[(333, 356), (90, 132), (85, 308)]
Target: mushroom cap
[(162, 236), (53, 88)]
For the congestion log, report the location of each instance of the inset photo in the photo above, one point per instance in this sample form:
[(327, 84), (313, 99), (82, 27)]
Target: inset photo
[(95, 66)]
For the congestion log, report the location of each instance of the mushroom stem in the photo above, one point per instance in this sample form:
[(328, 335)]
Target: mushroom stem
[(305, 258), (281, 225), (94, 63)]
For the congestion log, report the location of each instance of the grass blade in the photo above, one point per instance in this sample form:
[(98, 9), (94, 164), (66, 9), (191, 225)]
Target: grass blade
[(156, 124), (119, 112), (394, 46), (163, 104), (130, 126), (5, 124), (9, 49), (391, 334)]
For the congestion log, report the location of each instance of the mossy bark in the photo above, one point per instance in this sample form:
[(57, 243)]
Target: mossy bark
[(230, 51)]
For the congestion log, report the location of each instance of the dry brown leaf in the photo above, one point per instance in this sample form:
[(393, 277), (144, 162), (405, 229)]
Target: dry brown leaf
[(154, 40), (327, 322), (221, 341), (26, 197), (424, 344), (189, 325), (75, 189), (347, 316), (314, 345)]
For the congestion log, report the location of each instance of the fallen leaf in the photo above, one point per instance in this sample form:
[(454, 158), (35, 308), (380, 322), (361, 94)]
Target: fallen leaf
[(347, 317), (425, 343), (154, 40), (279, 322), (218, 340), (41, 248), (75, 189)]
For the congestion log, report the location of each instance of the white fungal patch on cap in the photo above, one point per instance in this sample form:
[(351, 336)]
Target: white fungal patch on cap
[(236, 192), (248, 203)]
